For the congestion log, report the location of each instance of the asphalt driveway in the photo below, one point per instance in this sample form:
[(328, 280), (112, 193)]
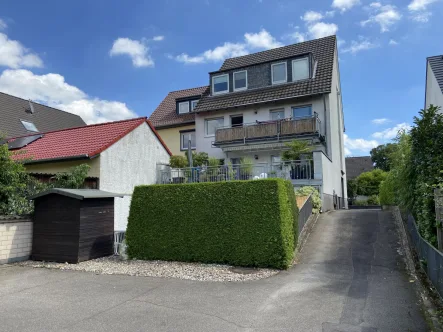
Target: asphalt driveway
[(351, 277)]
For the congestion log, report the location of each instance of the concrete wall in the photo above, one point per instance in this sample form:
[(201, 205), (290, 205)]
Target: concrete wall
[(171, 136), (250, 115), (58, 167), (434, 95), (130, 162), (15, 240)]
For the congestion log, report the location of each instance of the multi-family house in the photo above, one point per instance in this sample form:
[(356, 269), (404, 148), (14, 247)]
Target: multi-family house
[(255, 104), (434, 81), (20, 117)]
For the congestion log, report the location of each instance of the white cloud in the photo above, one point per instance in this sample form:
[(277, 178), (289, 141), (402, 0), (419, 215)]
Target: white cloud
[(385, 16), (420, 5), (380, 121), (321, 29), (311, 16), (358, 145), (263, 39), (391, 133), (158, 38), (393, 42), (344, 5), (252, 41), (3, 24), (136, 50), (51, 89), (298, 37), (361, 45), (330, 13), (14, 55), (421, 17)]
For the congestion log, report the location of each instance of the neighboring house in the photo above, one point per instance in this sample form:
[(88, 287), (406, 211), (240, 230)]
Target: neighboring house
[(357, 165), (20, 117), (434, 81), (174, 119), (121, 154)]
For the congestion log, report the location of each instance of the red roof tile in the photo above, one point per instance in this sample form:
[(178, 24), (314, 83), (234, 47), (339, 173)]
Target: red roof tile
[(87, 141), (166, 115)]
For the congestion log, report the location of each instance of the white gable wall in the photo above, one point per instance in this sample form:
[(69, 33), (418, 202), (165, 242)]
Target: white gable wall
[(434, 95), (130, 162)]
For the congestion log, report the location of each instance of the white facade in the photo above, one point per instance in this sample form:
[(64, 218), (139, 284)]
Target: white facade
[(329, 158), (129, 162), (434, 95)]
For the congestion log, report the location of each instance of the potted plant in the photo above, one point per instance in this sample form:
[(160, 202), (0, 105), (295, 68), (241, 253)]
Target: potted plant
[(177, 163), (294, 153)]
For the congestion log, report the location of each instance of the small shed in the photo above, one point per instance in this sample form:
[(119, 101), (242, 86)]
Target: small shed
[(73, 225)]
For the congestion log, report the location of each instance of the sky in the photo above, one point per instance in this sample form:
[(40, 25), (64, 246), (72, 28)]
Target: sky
[(111, 60)]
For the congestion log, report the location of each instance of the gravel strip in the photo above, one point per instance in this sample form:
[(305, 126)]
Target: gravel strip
[(189, 271)]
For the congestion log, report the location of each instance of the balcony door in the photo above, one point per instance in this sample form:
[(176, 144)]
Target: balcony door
[(237, 120)]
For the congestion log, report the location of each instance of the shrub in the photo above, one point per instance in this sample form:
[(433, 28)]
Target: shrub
[(373, 200), (316, 200), (178, 162), (361, 202), (368, 183), (247, 223), (387, 191)]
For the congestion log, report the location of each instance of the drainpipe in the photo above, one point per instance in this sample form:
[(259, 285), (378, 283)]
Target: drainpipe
[(326, 123)]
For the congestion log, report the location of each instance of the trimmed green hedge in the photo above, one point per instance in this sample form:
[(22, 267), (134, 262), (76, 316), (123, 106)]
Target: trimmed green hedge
[(246, 223)]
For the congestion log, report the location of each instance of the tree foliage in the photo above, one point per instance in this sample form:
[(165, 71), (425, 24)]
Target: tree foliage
[(382, 156), (296, 150), (368, 183), (315, 197), (352, 188)]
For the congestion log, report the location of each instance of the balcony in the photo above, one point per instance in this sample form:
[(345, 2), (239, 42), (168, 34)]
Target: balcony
[(268, 131)]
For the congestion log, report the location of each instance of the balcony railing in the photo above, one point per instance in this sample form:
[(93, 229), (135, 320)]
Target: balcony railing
[(268, 130), (290, 170)]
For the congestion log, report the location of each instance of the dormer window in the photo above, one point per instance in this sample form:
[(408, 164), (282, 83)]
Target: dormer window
[(220, 84), (193, 104), (240, 80), (300, 69), (278, 71), (183, 107)]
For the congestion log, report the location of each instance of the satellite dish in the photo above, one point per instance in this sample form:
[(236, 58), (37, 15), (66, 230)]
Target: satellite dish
[(31, 107)]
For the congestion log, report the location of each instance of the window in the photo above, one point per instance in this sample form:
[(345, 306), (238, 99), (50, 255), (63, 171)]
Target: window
[(301, 112), (278, 71), (193, 104), (29, 126), (220, 84), (183, 107), (237, 121), (212, 124), (184, 140), (240, 80), (278, 114), (300, 69), (275, 160)]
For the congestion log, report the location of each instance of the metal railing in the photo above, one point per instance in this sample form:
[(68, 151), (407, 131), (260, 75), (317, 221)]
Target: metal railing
[(290, 170), (268, 130)]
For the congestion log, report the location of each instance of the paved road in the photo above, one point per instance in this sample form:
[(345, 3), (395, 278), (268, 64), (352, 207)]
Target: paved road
[(351, 277)]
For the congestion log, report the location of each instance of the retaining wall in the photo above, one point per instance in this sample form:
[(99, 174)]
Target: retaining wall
[(15, 238)]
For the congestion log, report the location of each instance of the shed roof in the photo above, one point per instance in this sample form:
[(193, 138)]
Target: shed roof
[(81, 142), (77, 193), (357, 165)]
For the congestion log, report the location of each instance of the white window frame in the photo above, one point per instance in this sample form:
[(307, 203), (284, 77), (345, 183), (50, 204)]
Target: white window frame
[(182, 148), (275, 110), (179, 108), (246, 77), (31, 123), (292, 66), (221, 92), (206, 125), (286, 72), (192, 102)]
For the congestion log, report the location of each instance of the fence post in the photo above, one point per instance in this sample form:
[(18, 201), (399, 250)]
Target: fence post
[(438, 198)]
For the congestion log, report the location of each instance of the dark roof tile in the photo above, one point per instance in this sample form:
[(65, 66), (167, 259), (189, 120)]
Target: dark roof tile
[(436, 63)]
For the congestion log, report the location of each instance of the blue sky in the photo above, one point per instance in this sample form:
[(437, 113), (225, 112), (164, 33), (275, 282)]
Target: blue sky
[(109, 60)]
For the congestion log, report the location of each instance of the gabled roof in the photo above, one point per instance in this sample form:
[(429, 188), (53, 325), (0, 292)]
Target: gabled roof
[(357, 165), (81, 142), (436, 63), (323, 51), (45, 118), (166, 115)]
